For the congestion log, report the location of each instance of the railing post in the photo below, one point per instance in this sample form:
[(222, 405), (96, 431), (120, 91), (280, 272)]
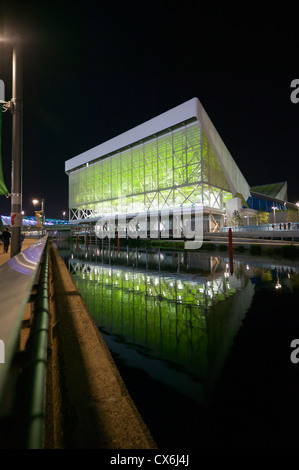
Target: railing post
[(230, 247)]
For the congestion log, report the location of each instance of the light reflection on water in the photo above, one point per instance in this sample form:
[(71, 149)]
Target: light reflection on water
[(172, 317)]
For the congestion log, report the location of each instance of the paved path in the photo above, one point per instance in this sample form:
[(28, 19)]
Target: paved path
[(25, 331), (6, 256)]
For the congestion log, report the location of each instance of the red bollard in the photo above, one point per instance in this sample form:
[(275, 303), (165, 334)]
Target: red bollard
[(230, 247)]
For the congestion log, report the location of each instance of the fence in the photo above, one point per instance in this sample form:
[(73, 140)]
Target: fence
[(263, 228), (28, 368)]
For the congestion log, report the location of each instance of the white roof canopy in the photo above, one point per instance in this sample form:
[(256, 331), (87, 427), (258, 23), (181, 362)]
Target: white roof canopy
[(191, 109)]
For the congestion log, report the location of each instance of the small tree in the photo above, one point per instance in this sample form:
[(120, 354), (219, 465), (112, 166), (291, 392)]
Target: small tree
[(236, 219), (262, 217), (291, 215)]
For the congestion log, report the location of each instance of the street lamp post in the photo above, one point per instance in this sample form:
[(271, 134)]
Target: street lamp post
[(42, 203), (17, 148), (297, 204), (15, 105)]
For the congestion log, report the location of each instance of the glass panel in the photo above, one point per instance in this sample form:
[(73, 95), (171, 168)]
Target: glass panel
[(138, 170), (98, 182), (195, 195), (193, 134), (138, 203), (166, 199), (126, 171), (165, 170), (215, 197), (212, 171), (206, 195), (150, 168), (194, 173)]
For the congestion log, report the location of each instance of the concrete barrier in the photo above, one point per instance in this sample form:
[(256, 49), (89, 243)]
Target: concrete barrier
[(88, 403)]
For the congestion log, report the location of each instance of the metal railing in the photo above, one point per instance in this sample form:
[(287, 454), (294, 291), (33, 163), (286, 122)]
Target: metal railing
[(282, 227), (17, 279)]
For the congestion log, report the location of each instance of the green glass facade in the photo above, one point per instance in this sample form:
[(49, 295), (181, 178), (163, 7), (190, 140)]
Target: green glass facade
[(172, 170)]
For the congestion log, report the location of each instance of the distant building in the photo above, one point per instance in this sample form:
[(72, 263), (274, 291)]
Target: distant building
[(174, 160), (28, 221)]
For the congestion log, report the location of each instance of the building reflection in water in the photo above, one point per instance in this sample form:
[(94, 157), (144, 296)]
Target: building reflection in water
[(177, 325)]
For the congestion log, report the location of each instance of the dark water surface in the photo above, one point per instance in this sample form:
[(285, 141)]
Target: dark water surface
[(204, 352)]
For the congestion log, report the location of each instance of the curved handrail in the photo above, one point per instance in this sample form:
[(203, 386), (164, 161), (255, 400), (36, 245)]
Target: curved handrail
[(17, 277)]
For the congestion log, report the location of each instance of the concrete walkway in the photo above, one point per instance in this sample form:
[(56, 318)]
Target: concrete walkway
[(25, 330), (6, 256)]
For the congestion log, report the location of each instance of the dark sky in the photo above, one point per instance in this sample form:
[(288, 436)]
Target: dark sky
[(95, 69)]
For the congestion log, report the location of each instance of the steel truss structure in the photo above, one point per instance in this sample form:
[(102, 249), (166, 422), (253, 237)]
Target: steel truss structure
[(182, 163)]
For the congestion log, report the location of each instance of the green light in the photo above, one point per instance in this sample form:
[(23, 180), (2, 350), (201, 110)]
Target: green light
[(170, 171)]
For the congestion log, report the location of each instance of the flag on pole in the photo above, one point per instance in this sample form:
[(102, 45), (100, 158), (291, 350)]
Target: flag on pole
[(3, 188)]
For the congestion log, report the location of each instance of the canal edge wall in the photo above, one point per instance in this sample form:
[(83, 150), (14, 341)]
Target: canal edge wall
[(88, 404)]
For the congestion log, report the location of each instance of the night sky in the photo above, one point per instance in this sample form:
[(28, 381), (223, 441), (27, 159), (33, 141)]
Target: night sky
[(92, 70)]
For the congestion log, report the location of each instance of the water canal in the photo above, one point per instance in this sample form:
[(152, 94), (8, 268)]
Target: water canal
[(204, 350)]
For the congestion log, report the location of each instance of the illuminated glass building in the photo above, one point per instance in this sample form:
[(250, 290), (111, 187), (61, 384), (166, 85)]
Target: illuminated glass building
[(174, 160)]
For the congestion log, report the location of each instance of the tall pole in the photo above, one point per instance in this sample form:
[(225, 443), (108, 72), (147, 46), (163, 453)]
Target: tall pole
[(230, 247), (17, 148), (43, 215)]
